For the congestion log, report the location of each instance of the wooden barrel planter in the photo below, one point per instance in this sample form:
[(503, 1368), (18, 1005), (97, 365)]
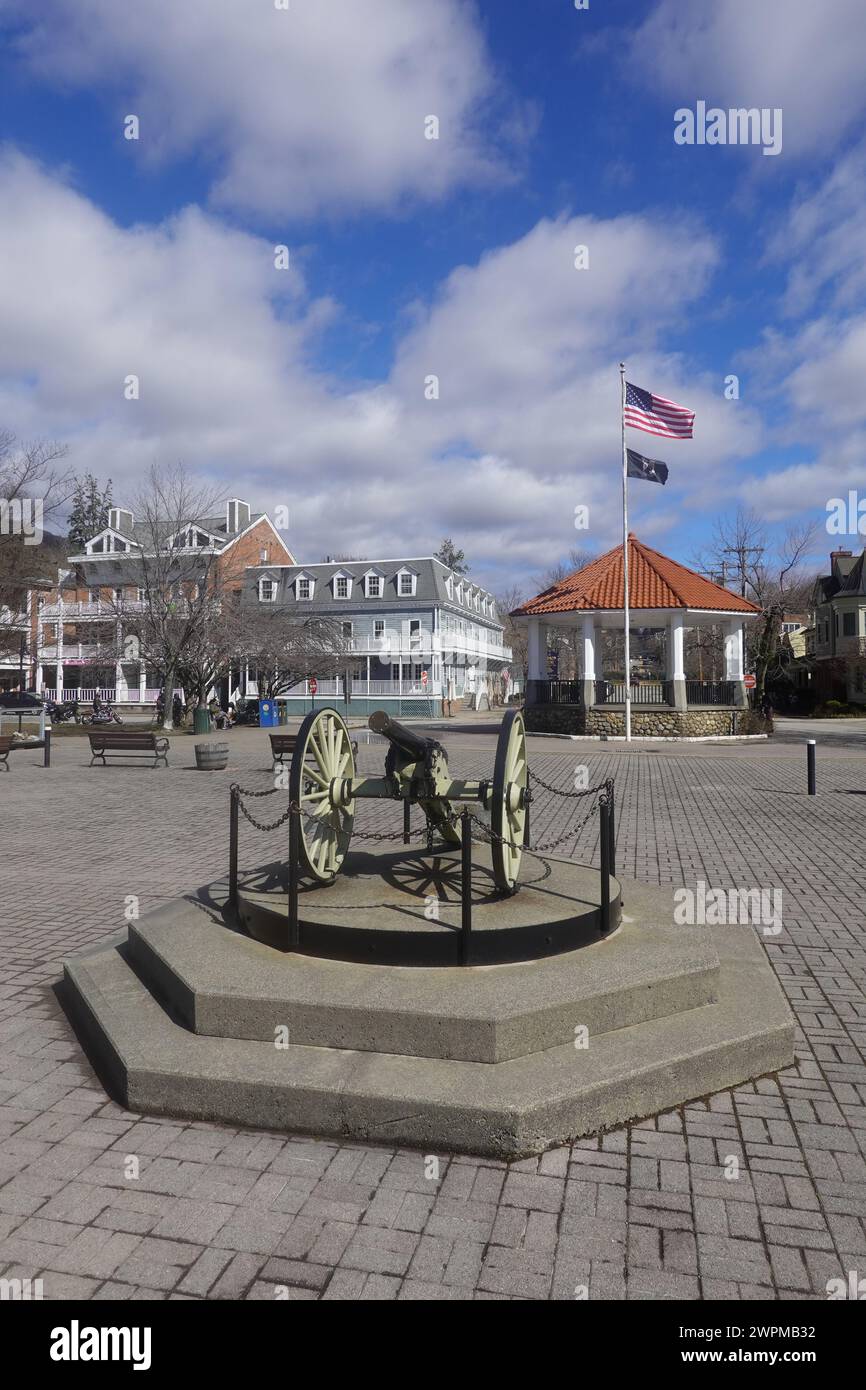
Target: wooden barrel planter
[(211, 757)]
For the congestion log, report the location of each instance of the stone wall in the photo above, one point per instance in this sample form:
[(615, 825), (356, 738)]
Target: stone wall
[(602, 720)]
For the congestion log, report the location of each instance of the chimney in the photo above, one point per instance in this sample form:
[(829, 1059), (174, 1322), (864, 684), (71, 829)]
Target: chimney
[(237, 516), (840, 554), (121, 519)]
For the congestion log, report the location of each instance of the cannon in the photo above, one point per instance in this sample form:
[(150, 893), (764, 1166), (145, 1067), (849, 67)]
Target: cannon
[(323, 782)]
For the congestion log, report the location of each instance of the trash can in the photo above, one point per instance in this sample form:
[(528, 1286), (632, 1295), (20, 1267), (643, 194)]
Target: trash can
[(267, 714), (200, 720)]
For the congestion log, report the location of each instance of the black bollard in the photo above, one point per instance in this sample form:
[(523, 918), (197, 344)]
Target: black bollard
[(611, 831), (527, 804), (46, 760), (406, 828), (294, 871), (465, 886), (604, 846), (810, 765)]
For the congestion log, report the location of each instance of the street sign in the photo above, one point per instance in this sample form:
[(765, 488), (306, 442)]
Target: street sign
[(750, 680), (423, 677), (314, 685)]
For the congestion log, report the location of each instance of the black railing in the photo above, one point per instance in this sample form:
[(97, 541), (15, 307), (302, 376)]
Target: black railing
[(554, 692), (642, 693), (709, 692)]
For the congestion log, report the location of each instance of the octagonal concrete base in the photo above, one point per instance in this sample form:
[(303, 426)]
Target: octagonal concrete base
[(188, 1016)]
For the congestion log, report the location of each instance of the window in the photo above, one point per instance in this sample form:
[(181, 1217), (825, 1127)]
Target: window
[(415, 630), (94, 595), (374, 586), (347, 632), (263, 555), (379, 630), (267, 590), (118, 596), (305, 588), (407, 585), (849, 624), (341, 586)]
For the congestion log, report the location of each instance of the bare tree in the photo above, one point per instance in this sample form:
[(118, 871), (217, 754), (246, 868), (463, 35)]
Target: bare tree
[(184, 590), (771, 574), (514, 634), (30, 476), (282, 650)]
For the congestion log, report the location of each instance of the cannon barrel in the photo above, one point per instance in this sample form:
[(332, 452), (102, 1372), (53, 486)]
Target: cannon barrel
[(413, 745)]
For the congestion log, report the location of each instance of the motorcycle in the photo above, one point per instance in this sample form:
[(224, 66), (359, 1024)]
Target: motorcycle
[(67, 713), (102, 716)]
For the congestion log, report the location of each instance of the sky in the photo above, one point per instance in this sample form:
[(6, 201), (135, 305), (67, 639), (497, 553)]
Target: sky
[(433, 361)]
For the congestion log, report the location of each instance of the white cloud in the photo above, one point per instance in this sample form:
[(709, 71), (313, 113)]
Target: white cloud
[(525, 346), (318, 107), (820, 239), (805, 57)]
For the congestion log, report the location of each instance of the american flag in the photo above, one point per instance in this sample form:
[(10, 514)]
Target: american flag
[(656, 414)]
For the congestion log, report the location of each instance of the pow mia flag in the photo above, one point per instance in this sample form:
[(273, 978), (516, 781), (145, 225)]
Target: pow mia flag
[(651, 470)]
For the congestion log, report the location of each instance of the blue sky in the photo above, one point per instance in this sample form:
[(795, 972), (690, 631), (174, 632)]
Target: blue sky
[(452, 258)]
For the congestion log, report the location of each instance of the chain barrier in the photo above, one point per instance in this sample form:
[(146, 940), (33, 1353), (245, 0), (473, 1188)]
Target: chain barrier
[(573, 796)]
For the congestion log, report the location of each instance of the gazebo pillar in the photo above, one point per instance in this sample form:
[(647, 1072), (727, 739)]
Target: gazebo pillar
[(734, 649), (676, 658), (588, 660), (536, 650)]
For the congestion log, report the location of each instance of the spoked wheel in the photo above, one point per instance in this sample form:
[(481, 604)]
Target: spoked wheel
[(508, 805), (323, 766)]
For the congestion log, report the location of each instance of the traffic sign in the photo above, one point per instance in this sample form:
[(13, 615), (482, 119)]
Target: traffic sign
[(750, 680), (314, 685)]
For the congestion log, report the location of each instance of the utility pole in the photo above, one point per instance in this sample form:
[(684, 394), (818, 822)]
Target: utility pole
[(741, 552)]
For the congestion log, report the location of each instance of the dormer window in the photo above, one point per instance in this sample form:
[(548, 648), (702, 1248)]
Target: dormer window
[(459, 593), (267, 590), (304, 587), (406, 582), (373, 585), (342, 586)]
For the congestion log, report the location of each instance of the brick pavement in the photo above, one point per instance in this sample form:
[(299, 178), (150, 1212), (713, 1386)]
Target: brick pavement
[(647, 1211)]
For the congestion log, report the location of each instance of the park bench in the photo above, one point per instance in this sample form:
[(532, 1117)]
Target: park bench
[(8, 745), (128, 743), (283, 744)]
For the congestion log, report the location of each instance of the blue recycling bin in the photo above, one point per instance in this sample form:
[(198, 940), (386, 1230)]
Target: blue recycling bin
[(267, 714)]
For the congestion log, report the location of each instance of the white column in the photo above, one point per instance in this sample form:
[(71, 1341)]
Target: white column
[(59, 646), (676, 657), (142, 681), (589, 647), (734, 650), (536, 653)]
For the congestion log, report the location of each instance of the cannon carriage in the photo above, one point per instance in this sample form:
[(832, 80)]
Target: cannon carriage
[(324, 783)]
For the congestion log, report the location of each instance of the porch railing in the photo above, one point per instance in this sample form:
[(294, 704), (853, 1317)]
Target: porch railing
[(554, 692), (642, 693), (709, 692)]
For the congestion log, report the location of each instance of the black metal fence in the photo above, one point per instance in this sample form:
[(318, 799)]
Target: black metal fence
[(709, 692)]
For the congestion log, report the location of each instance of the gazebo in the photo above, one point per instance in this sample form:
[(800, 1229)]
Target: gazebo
[(662, 595)]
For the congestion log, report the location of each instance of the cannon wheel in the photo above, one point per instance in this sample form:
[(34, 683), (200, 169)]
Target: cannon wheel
[(321, 762), (507, 808)]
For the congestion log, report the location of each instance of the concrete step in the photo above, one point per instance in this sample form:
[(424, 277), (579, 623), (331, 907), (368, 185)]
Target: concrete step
[(509, 1108), (218, 982)]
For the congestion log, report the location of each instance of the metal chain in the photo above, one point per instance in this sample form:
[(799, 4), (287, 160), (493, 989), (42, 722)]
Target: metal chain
[(557, 791)]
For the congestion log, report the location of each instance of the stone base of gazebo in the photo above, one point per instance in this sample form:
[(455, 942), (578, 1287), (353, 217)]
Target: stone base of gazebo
[(601, 720)]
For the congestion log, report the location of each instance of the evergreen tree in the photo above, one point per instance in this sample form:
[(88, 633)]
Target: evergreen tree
[(89, 513), (454, 559)]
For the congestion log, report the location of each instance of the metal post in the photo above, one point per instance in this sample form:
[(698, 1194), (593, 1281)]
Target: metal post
[(465, 885), (407, 811), (611, 830), (810, 765), (294, 870), (604, 846), (233, 849), (528, 803), (46, 761)]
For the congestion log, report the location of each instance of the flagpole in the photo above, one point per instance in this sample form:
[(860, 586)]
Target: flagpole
[(625, 559)]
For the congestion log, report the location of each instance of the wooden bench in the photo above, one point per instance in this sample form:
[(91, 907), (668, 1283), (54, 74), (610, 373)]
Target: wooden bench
[(282, 744), (8, 745), (128, 743)]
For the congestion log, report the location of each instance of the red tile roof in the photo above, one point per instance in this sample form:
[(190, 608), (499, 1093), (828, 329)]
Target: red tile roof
[(654, 581)]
